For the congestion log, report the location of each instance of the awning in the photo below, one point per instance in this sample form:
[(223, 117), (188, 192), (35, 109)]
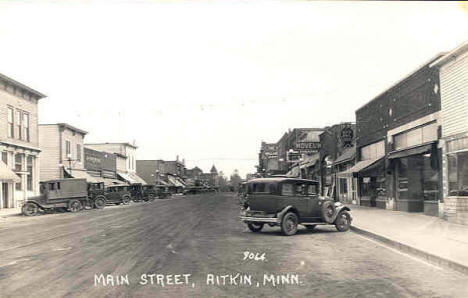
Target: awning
[(131, 178), (84, 175), (310, 162), (109, 182), (347, 155), (6, 174), (174, 181), (365, 168), (411, 151)]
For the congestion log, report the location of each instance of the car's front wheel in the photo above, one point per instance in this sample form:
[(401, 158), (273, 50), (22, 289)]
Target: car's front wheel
[(343, 221), (255, 227), (289, 224), (99, 203), (29, 209)]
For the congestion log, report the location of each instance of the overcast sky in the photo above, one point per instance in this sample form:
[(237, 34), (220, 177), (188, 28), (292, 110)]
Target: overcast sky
[(207, 80)]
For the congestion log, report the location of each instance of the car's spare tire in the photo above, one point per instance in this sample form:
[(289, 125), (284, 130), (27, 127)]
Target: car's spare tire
[(328, 211)]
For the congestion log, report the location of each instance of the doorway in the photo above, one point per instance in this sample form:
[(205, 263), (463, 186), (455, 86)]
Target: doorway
[(5, 194)]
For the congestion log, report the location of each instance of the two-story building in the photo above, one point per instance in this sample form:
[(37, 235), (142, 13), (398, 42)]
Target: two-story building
[(126, 160), (397, 149), (166, 172), (19, 142), (62, 151), (453, 74)]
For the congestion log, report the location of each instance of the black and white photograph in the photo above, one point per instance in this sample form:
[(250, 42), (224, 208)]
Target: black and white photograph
[(281, 148)]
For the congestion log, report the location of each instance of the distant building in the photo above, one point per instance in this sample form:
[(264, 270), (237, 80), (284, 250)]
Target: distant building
[(126, 160), (159, 171), (19, 142)]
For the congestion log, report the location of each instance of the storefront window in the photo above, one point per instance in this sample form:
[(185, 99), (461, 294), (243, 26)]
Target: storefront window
[(417, 178), (458, 174), (380, 187), (402, 181)]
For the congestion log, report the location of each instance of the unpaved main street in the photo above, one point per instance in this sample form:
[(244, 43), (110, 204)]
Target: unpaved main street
[(59, 255)]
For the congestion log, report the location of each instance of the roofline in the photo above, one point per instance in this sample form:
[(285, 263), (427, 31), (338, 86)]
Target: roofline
[(67, 126), (451, 55), (403, 79), (113, 143), (21, 85)]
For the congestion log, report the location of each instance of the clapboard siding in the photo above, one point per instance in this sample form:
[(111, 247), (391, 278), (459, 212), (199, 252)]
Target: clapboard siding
[(50, 155), (454, 96)]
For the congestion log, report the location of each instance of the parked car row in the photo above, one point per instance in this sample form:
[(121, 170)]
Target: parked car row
[(198, 189), (75, 194)]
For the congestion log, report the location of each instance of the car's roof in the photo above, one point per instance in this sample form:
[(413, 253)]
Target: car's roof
[(280, 179)]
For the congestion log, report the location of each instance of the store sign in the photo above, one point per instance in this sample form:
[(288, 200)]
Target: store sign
[(347, 136), (307, 146)]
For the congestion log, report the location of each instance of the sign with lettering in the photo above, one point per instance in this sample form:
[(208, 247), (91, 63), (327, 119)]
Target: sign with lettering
[(307, 146), (347, 136)]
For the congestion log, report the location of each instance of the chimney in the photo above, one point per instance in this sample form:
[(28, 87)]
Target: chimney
[(177, 157)]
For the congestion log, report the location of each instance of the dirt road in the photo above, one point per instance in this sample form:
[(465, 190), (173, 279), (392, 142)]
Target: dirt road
[(182, 247)]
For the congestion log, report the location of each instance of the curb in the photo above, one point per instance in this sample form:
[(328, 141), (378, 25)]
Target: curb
[(430, 258)]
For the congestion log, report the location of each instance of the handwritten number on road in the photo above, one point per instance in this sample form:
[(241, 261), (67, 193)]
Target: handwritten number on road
[(256, 256)]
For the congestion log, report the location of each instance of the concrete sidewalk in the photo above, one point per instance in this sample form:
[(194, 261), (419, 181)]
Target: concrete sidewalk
[(431, 238)]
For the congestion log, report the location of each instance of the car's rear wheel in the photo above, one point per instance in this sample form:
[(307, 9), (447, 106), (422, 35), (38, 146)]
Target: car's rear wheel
[(30, 209), (255, 226), (150, 197), (126, 200), (311, 227), (289, 224), (343, 221), (75, 206), (99, 203)]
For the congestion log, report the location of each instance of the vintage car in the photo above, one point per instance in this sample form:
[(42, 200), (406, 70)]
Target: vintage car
[(288, 202), (118, 194), (141, 192), (70, 194), (162, 191), (193, 190)]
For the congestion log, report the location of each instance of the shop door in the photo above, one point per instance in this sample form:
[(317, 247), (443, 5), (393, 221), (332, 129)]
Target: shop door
[(5, 195), (354, 190)]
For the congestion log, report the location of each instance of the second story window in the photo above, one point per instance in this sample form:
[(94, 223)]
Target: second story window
[(67, 149), (11, 124), (18, 124), (26, 127)]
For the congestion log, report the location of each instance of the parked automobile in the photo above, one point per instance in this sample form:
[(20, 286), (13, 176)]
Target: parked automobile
[(141, 192), (162, 191), (193, 190), (70, 194), (288, 202), (118, 194), (97, 195)]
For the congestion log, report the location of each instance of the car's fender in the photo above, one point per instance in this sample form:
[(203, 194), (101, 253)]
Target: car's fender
[(339, 209), (284, 211)]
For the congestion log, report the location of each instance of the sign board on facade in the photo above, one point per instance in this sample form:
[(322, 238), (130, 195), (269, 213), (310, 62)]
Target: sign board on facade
[(347, 135), (307, 140)]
